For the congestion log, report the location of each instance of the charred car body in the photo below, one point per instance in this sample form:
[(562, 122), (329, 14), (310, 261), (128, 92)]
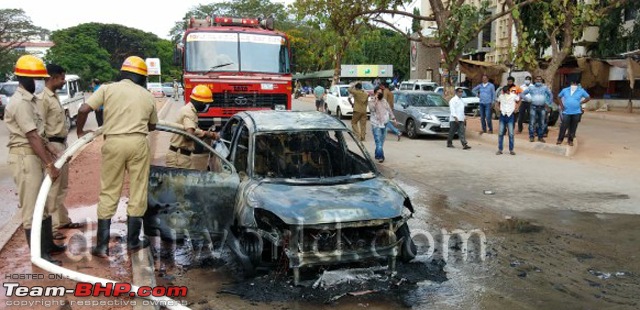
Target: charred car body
[(294, 187)]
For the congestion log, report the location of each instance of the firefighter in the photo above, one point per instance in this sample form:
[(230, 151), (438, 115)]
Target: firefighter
[(56, 129), (129, 115), (181, 147), (29, 152)]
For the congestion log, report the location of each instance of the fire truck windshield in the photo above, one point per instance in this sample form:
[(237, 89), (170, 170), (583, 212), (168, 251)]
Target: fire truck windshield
[(236, 52)]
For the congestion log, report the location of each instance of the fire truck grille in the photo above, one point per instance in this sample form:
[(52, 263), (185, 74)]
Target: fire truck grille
[(248, 100)]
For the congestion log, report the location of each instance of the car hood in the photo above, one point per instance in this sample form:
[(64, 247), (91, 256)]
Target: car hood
[(432, 110), (372, 199)]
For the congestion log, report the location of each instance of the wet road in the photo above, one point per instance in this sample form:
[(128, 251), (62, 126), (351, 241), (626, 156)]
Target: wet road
[(560, 233)]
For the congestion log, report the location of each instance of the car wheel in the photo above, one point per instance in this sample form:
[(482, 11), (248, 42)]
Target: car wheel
[(411, 129), (338, 113), (408, 249), (69, 119)]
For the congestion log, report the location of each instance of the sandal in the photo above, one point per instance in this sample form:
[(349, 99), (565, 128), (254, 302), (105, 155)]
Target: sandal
[(71, 225), (58, 236)]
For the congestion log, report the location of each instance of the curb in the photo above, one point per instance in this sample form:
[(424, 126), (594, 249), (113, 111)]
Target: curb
[(549, 148), (630, 119)]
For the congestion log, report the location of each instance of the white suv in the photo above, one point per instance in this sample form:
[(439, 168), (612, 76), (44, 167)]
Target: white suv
[(418, 85)]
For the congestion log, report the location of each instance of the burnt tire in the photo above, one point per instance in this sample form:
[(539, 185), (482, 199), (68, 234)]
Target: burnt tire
[(411, 129), (338, 113), (408, 249)]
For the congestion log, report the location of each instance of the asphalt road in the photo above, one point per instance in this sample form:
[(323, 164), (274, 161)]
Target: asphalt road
[(560, 232)]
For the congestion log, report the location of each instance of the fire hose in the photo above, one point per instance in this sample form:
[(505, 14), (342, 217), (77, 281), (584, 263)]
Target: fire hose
[(36, 228)]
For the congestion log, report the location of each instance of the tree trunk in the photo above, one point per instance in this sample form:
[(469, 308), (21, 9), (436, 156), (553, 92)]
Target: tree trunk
[(447, 83)]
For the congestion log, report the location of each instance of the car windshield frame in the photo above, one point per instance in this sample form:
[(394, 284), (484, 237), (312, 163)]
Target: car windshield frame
[(426, 100), (236, 52), (346, 144)]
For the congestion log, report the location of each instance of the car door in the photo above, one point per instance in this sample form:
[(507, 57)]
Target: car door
[(399, 109), (332, 99), (188, 202), (76, 98)]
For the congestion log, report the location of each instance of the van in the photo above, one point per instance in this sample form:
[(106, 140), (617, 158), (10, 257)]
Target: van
[(71, 97), (425, 85)]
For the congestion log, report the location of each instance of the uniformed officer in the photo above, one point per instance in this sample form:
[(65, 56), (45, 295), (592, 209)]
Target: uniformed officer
[(56, 129), (129, 115), (181, 147), (29, 152)]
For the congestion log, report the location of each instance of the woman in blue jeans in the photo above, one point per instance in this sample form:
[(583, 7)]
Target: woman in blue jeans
[(380, 115)]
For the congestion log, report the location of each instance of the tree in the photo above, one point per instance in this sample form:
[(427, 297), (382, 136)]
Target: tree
[(95, 50), (619, 39), (16, 28), (336, 19), (458, 23), (562, 22)]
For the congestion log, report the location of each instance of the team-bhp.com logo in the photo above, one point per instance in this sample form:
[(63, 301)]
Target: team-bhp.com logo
[(83, 289)]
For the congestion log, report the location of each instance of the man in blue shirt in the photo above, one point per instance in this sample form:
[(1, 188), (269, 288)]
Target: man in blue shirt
[(540, 101), (487, 93), (572, 99)]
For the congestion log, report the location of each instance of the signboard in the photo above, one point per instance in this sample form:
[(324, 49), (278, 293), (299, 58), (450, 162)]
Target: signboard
[(366, 71), (153, 66)]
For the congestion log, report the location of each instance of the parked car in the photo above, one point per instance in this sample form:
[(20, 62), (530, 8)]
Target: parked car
[(292, 185), (71, 97), (167, 89), (7, 89), (156, 89), (421, 113), (424, 85), (471, 101), (339, 101)]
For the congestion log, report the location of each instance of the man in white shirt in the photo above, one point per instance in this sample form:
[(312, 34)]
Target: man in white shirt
[(508, 103), (456, 118)]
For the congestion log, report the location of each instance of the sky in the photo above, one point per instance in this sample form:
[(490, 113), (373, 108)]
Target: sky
[(157, 17)]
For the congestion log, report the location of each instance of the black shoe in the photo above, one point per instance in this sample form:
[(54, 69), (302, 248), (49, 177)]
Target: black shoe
[(512, 152), (102, 241), (450, 145), (531, 139), (44, 246), (499, 153), (570, 143), (53, 247), (541, 140), (134, 225), (490, 132), (466, 147)]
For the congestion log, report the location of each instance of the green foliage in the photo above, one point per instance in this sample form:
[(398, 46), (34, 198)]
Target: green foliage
[(415, 23), (15, 29), (95, 50), (619, 39), (380, 46)]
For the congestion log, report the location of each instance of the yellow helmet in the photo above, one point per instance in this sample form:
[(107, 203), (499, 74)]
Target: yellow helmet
[(202, 93), (134, 64), (30, 66)]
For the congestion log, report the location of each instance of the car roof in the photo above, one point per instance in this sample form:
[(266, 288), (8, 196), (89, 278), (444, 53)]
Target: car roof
[(271, 120), (411, 91)]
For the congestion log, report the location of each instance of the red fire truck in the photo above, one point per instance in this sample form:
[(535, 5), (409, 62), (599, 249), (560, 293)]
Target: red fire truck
[(245, 62)]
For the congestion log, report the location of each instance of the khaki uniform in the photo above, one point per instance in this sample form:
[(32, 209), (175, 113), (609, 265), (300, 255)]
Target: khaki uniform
[(22, 116), (359, 118), (128, 110), (180, 157), (388, 95), (56, 128)]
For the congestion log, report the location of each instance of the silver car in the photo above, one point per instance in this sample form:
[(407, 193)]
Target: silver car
[(421, 113)]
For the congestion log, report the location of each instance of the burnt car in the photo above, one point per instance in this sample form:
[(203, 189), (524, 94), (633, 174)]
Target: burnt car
[(293, 187)]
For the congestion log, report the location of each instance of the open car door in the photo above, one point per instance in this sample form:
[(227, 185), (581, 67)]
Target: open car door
[(190, 202)]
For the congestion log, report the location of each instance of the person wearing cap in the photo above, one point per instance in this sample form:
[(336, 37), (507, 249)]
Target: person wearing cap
[(56, 129), (181, 147), (30, 154), (130, 113)]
